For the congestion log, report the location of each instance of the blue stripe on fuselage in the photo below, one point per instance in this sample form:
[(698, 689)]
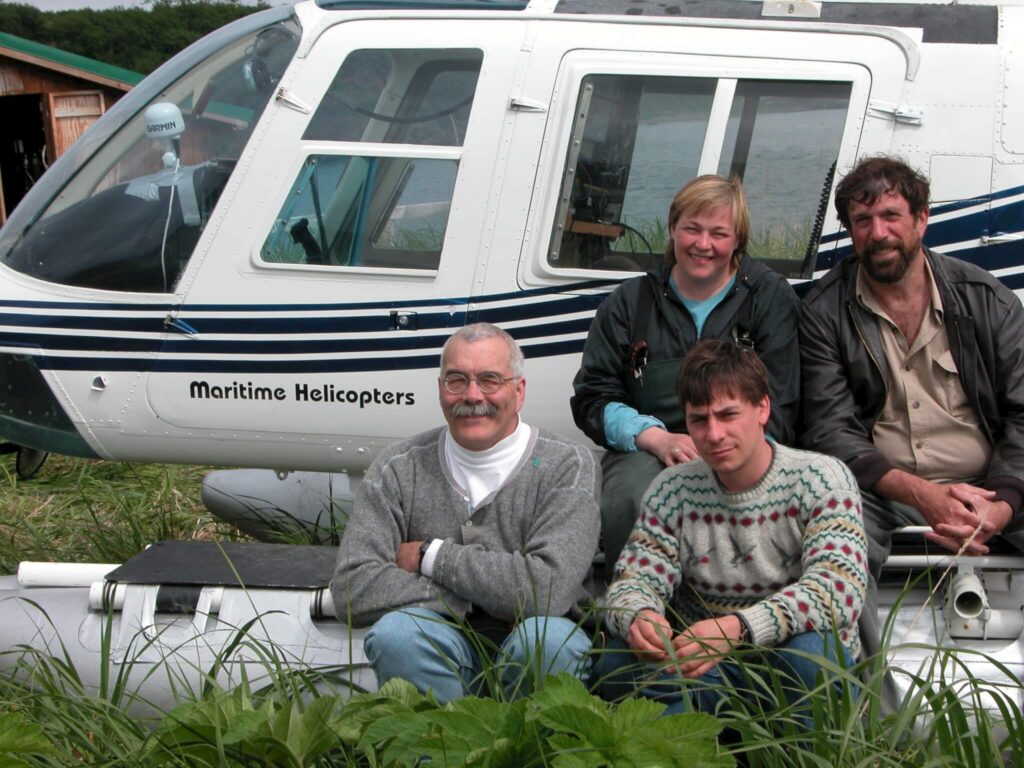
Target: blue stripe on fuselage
[(40, 331)]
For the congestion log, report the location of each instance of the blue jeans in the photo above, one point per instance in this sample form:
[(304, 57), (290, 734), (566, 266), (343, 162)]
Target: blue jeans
[(618, 674), (428, 650)]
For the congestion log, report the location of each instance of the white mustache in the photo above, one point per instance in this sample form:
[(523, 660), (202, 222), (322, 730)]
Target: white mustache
[(479, 409)]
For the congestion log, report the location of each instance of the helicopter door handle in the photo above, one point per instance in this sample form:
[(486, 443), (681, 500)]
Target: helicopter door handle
[(179, 325), (291, 101), (1000, 237), (404, 321), (527, 105)]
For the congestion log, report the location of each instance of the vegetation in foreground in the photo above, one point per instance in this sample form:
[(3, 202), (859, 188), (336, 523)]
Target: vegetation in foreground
[(94, 511)]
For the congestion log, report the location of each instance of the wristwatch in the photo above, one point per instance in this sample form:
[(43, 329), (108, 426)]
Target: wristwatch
[(744, 629), (424, 546)]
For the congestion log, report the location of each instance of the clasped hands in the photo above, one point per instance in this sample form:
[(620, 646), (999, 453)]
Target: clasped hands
[(960, 511), (692, 652), (408, 556)]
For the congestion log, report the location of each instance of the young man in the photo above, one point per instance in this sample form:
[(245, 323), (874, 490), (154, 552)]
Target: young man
[(753, 543), (487, 520), (913, 374)]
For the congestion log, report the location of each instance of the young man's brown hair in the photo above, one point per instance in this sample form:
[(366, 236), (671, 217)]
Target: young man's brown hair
[(716, 367)]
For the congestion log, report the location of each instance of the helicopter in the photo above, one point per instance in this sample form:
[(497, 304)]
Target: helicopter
[(254, 257)]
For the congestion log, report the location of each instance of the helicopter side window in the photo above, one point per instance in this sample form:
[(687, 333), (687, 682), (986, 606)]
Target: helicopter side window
[(399, 96), (637, 139), (364, 211), (370, 211)]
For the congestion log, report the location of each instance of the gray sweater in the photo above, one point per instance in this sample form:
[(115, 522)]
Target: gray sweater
[(523, 552)]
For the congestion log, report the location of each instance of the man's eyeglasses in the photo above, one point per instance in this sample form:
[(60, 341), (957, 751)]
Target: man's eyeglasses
[(488, 383)]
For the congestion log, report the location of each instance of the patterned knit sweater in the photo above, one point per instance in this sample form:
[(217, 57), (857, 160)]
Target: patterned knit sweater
[(789, 554)]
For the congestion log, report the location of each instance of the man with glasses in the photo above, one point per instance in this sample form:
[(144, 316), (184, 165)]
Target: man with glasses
[(487, 523)]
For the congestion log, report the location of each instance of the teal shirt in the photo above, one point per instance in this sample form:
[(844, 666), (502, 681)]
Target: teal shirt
[(699, 310)]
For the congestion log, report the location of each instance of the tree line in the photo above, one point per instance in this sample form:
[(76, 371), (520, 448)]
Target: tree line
[(136, 39)]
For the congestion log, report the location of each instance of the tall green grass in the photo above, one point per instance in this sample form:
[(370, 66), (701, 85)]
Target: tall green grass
[(948, 719), (97, 511)]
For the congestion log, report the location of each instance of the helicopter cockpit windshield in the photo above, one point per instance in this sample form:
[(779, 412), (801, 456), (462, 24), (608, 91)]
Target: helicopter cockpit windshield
[(156, 177)]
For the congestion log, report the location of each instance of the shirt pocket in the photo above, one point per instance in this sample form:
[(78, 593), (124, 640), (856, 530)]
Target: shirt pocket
[(949, 390)]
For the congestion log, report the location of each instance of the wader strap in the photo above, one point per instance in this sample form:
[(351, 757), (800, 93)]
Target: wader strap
[(743, 331), (644, 304), (639, 351)]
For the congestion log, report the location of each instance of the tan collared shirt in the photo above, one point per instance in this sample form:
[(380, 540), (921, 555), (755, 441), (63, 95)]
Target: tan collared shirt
[(927, 426)]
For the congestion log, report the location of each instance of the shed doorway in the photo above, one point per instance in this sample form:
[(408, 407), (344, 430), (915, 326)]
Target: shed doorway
[(22, 147)]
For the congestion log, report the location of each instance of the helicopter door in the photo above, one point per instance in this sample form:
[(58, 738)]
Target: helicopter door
[(346, 255)]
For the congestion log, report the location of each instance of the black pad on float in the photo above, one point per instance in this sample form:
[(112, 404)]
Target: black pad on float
[(230, 564)]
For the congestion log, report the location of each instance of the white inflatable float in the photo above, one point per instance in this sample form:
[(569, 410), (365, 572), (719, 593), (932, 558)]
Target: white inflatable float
[(281, 506), (180, 612)]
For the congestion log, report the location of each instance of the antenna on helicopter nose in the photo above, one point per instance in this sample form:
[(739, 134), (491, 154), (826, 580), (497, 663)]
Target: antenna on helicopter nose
[(165, 123)]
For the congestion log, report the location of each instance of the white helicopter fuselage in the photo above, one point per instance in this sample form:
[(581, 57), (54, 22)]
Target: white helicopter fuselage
[(353, 185)]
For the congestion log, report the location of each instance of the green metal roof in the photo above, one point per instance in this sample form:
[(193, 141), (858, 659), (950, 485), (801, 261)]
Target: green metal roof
[(63, 60)]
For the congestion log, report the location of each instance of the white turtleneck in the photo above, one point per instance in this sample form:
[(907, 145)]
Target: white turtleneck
[(481, 473)]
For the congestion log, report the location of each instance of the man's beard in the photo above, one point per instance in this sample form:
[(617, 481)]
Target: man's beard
[(480, 409), (891, 271)]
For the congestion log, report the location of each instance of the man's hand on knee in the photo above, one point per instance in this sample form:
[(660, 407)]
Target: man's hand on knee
[(956, 512), (953, 518)]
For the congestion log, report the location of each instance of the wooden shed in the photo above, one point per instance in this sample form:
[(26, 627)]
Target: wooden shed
[(48, 97)]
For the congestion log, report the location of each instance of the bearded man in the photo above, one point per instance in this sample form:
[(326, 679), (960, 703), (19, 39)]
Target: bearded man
[(912, 368)]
